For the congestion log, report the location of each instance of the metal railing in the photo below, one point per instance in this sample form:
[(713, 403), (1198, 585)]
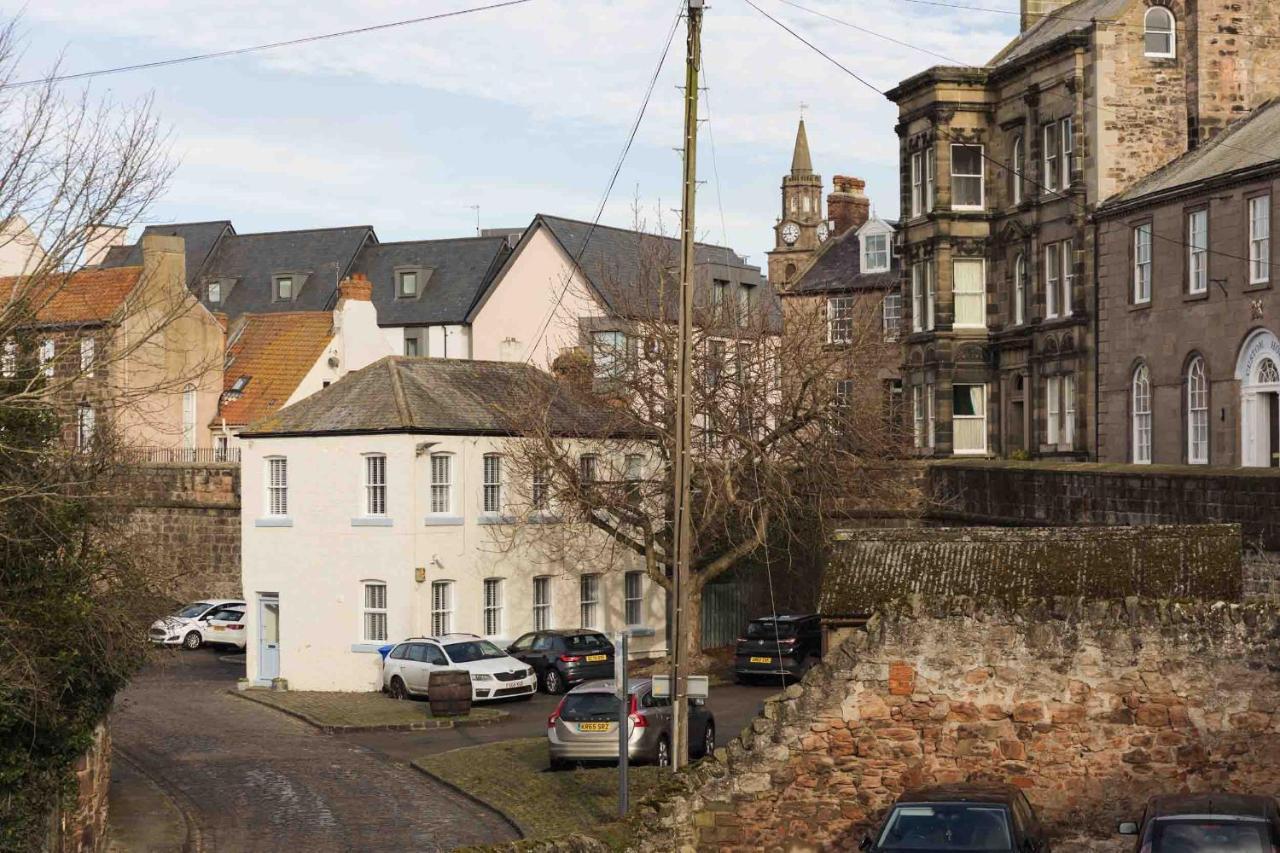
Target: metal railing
[(188, 455)]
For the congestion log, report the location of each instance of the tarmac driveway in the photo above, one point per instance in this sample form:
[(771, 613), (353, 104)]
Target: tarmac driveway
[(245, 777)]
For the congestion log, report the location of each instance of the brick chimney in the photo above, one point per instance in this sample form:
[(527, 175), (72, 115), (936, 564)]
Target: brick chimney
[(848, 206), (357, 287)]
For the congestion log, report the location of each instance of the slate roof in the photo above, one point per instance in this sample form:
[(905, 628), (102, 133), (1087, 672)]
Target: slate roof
[(459, 271), (871, 568), (1249, 142), (623, 265), (1077, 16), (85, 296), (398, 394), (200, 239), (275, 352), (838, 269)]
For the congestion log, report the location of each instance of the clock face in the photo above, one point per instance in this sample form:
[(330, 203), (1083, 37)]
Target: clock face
[(790, 233), (822, 231)]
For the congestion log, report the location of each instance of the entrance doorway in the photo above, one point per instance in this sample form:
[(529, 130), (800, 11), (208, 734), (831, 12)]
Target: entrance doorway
[(1258, 371), (268, 636)]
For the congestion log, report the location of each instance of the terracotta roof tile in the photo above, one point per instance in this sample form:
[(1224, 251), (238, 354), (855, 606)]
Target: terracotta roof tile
[(84, 296), (275, 352)]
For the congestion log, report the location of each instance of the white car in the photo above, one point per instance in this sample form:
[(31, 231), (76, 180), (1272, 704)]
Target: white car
[(494, 673), (224, 626), (187, 627)]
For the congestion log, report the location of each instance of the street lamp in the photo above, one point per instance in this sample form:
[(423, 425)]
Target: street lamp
[(624, 707)]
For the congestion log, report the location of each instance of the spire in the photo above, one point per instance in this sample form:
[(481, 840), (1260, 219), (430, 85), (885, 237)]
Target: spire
[(801, 164)]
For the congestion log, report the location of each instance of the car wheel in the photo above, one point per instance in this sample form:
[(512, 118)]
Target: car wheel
[(398, 690), (709, 740), (553, 681), (193, 640), (663, 758)]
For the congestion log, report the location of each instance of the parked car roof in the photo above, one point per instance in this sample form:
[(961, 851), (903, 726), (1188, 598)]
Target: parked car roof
[(963, 792), (567, 632), (1217, 803)]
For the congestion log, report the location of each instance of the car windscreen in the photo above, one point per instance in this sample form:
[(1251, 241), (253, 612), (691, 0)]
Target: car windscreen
[(764, 629), (473, 650), (1200, 835), (588, 643), (191, 611), (945, 826), (579, 707)]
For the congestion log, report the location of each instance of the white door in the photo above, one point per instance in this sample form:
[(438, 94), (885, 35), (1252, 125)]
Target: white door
[(268, 636)]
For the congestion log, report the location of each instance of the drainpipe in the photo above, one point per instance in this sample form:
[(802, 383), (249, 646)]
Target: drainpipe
[(1097, 376)]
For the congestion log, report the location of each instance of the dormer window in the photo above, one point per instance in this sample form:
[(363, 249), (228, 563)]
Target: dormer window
[(875, 253), (407, 284), (213, 293), (283, 291), (239, 385), (1158, 36)]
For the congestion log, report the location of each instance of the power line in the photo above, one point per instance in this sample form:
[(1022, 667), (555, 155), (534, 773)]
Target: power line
[(63, 78), (1198, 32), (982, 149), (862, 29), (613, 179)]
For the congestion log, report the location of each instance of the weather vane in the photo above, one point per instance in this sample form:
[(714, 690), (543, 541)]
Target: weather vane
[(803, 107)]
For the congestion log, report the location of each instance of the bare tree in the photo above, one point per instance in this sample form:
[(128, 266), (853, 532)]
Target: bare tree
[(790, 431)]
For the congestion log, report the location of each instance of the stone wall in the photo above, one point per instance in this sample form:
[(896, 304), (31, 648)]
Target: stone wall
[(81, 823), (1088, 708), (190, 517)]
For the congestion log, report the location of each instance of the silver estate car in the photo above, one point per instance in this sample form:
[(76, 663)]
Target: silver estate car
[(584, 727)]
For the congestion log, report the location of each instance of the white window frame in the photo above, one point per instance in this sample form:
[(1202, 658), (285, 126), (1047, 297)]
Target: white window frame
[(9, 359), (930, 179), (48, 351), (1016, 167), (891, 314), (917, 414), (491, 489), (1050, 153), (542, 603), (1067, 250), (842, 398), (875, 259), (1198, 252), (440, 499), (917, 297), (401, 277), (980, 176), (1052, 279), (86, 425), (277, 486), (917, 184), (492, 612), (633, 598), (374, 598), (955, 419), (1140, 402), (1142, 263), (609, 353), (275, 285), (88, 354), (1066, 139), (1167, 29), (441, 607), (930, 416), (961, 298), (1197, 413), (213, 293), (1020, 289), (1053, 410), (1260, 239), (375, 485), (930, 297), (540, 490), (1068, 412), (589, 600), (839, 319)]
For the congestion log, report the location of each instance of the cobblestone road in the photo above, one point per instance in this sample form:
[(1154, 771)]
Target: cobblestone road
[(253, 779)]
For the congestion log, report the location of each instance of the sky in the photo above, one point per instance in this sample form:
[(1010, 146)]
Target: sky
[(518, 111)]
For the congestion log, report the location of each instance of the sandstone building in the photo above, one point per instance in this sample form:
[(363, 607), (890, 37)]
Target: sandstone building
[(1001, 166), (1188, 359)]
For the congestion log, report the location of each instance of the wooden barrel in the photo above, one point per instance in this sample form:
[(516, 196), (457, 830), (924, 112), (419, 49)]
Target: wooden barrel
[(449, 691)]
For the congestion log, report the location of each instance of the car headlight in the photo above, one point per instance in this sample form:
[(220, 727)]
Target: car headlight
[(482, 677), (528, 673)]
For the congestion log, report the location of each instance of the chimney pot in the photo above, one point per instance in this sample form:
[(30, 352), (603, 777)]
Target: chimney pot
[(356, 287), (848, 206)]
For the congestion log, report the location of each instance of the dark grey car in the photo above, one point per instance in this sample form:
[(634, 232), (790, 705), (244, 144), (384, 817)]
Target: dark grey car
[(1207, 823), (563, 658), (584, 727)]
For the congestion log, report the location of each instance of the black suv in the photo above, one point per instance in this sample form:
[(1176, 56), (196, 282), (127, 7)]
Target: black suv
[(779, 646), (964, 816), (563, 658), (1207, 823)]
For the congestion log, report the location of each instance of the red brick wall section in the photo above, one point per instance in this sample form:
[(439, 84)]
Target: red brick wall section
[(1088, 708), (82, 820)]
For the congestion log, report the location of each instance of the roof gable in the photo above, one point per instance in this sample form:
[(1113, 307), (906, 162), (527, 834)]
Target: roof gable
[(456, 273)]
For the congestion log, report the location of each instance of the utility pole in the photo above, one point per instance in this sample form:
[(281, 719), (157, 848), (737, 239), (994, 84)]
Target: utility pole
[(681, 526)]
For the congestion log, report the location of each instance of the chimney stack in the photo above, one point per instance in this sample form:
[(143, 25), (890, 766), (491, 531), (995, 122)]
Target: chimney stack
[(848, 206), (357, 287)]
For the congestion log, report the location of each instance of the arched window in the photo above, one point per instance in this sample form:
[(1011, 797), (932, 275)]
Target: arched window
[(1020, 290), (1141, 415), (1158, 26), (1197, 413)]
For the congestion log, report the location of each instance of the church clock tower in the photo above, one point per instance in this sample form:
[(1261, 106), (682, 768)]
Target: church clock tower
[(801, 229)]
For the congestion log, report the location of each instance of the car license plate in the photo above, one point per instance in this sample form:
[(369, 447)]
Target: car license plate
[(219, 628), (762, 660), (593, 727), (594, 658)]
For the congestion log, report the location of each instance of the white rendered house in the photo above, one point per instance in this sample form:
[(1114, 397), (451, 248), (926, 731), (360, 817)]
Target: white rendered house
[(374, 510)]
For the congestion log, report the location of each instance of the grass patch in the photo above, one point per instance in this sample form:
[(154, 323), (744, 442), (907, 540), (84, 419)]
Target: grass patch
[(362, 710), (512, 777)]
